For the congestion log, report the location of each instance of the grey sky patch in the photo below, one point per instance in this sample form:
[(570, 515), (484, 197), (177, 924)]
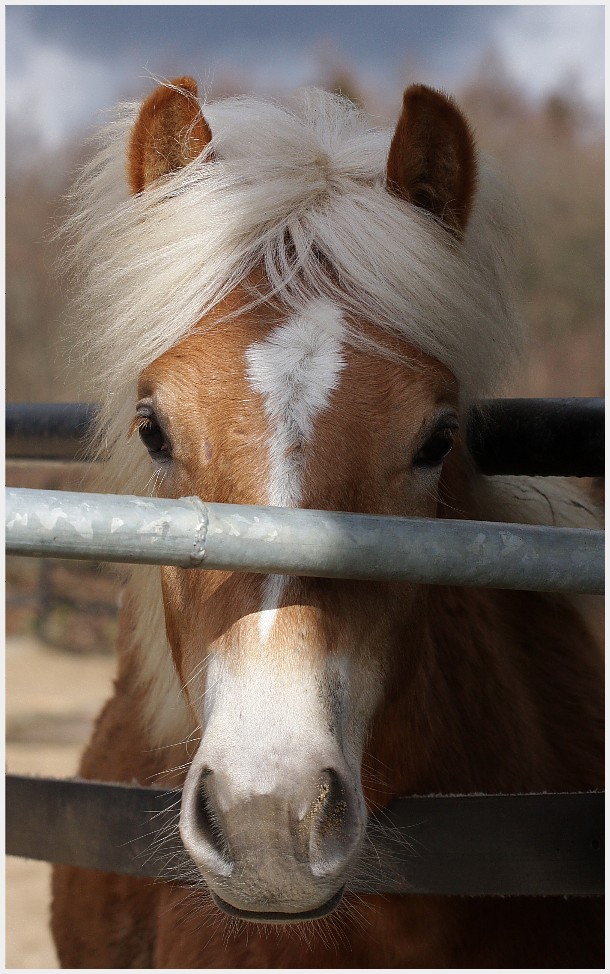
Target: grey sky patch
[(66, 64)]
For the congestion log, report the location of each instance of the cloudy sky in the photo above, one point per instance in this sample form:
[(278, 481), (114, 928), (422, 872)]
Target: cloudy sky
[(66, 64)]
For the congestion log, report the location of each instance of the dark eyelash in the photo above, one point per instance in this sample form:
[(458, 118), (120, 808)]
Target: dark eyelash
[(151, 433)]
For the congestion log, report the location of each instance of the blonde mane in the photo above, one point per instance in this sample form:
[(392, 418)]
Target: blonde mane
[(285, 187)]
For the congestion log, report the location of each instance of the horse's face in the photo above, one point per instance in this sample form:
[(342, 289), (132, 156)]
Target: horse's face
[(283, 675)]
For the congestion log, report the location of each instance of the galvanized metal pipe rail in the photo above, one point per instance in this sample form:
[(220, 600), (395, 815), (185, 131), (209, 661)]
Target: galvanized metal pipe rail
[(192, 534), (534, 437)]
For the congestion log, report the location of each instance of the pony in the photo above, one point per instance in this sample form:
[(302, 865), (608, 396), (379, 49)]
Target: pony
[(288, 305)]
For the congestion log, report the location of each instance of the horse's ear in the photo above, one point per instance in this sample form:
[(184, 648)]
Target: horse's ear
[(432, 160), (170, 132)]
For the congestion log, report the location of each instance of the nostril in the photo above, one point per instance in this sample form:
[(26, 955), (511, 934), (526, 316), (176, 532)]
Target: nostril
[(207, 820), (330, 805), (334, 823)]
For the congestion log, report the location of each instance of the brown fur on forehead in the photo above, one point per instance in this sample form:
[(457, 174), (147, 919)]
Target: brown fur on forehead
[(382, 412), (215, 422), (216, 346)]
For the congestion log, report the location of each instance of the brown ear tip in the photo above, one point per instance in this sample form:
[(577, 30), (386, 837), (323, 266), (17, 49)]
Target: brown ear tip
[(185, 83), (425, 94), (180, 89), (418, 89)]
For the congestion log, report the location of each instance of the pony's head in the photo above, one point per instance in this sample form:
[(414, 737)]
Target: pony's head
[(301, 305)]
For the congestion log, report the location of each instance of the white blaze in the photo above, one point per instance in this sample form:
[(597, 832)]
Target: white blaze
[(272, 591), (295, 369)]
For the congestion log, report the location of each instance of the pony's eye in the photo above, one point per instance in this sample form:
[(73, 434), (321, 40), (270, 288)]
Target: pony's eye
[(151, 434), (436, 448)]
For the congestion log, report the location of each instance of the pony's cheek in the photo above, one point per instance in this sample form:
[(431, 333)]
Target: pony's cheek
[(173, 599), (182, 603), (428, 484), (411, 493), (175, 482)]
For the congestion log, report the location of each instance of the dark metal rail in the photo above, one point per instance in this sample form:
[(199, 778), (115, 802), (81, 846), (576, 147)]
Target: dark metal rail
[(538, 437), (533, 437), (47, 430), (469, 845)]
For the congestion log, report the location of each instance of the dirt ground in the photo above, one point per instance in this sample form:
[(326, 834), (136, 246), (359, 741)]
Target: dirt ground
[(52, 699)]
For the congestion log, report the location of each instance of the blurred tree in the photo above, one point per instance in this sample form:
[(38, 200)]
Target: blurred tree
[(553, 156), (342, 82)]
